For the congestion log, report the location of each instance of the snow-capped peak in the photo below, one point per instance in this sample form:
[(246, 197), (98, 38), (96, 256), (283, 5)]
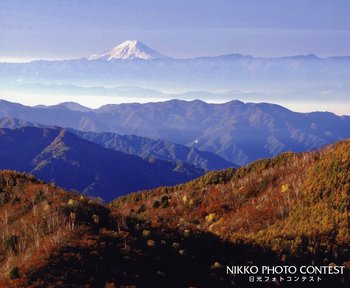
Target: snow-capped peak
[(131, 49)]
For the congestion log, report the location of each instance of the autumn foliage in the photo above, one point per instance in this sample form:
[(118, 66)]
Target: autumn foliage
[(297, 205), (290, 209)]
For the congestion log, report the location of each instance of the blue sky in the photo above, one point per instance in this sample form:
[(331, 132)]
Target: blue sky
[(44, 29)]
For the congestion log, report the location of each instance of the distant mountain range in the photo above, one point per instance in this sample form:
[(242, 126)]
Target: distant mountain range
[(321, 94), (141, 146), (132, 63), (134, 72), (239, 132), (56, 155)]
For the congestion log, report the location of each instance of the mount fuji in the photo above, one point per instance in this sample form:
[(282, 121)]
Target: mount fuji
[(131, 49), (294, 81)]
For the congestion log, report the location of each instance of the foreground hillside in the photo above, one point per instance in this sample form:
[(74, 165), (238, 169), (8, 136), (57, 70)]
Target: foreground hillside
[(56, 155), (52, 238), (295, 205), (289, 210)]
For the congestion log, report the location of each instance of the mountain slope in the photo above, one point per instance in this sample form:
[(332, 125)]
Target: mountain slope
[(131, 49), (297, 205), (289, 210), (160, 149), (140, 146), (53, 238), (54, 154)]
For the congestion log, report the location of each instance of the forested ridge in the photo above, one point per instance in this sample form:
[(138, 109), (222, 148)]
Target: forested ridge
[(295, 204), (289, 210)]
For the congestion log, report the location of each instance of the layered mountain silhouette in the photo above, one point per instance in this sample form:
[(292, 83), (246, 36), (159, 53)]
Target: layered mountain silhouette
[(226, 72), (132, 70), (160, 149), (141, 146), (239, 132), (56, 155)]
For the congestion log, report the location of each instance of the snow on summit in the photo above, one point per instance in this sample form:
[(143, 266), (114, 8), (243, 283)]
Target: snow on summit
[(131, 49)]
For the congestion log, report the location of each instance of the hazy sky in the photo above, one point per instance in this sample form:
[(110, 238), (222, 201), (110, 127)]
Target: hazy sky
[(47, 29)]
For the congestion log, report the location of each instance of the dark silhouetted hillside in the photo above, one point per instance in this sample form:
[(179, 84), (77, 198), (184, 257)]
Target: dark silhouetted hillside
[(56, 155), (141, 146)]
